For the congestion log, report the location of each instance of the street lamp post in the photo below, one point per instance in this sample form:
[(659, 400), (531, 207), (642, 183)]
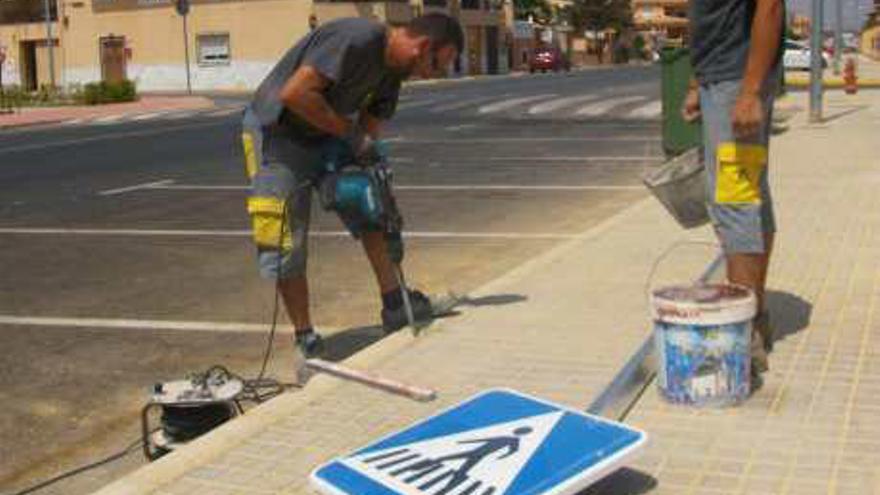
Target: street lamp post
[(182, 7), (838, 34), (50, 42), (816, 63)]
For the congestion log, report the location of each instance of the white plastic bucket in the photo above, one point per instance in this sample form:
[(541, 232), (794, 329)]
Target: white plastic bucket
[(702, 334)]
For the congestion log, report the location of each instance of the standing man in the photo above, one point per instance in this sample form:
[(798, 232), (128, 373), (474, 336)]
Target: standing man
[(736, 51), (327, 98)]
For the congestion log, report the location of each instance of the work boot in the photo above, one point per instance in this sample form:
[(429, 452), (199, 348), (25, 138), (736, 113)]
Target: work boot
[(395, 319), (761, 325), (310, 343)]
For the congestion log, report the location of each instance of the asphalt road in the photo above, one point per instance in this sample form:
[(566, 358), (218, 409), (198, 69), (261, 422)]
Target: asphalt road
[(114, 239)]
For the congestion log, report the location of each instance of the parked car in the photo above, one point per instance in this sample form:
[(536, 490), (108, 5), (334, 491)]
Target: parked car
[(797, 56), (547, 59)]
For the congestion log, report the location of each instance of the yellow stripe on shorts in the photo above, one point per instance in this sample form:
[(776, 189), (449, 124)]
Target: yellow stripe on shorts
[(739, 173)]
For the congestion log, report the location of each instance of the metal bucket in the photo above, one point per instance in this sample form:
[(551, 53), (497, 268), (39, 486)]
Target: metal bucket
[(680, 186)]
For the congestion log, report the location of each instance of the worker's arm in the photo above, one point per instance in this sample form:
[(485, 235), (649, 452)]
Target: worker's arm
[(690, 110), (303, 94), (748, 113)]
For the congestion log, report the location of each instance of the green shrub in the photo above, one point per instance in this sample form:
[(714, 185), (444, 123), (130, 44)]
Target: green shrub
[(98, 93)]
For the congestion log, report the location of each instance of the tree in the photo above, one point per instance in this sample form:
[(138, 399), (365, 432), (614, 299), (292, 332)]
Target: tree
[(539, 11), (599, 15)]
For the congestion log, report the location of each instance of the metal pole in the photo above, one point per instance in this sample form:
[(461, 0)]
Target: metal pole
[(50, 42), (816, 64), (838, 34), (186, 52)]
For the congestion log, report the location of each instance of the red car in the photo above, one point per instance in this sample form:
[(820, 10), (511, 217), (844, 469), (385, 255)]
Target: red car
[(546, 59)]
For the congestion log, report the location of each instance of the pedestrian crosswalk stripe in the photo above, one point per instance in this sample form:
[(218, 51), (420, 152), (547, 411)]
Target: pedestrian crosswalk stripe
[(648, 110), (511, 103), (460, 104), (601, 107), (560, 103)]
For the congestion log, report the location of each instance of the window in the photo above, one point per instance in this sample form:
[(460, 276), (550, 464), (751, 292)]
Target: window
[(213, 49), (470, 4)]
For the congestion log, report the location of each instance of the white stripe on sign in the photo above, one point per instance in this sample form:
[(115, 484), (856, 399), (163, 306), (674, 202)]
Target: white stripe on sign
[(136, 324), (247, 233), (647, 111), (560, 103), (602, 107), (146, 185), (510, 103)]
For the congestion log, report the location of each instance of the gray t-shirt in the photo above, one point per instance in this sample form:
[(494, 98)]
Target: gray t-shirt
[(348, 52), (721, 31)]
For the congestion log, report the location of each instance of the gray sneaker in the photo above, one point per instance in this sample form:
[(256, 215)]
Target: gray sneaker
[(311, 344), (394, 320)]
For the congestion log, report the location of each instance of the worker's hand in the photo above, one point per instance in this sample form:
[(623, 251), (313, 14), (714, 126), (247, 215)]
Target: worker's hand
[(748, 115), (690, 110)]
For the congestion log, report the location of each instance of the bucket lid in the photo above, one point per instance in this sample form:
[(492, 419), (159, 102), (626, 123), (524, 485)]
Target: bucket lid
[(705, 304)]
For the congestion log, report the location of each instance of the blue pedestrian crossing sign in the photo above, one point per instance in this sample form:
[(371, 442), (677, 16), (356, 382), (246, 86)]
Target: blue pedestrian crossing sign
[(500, 442)]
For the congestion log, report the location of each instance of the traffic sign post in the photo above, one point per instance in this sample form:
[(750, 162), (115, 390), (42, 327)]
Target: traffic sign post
[(500, 442), (183, 8)]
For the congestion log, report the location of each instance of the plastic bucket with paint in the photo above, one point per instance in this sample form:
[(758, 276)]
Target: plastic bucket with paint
[(702, 334)]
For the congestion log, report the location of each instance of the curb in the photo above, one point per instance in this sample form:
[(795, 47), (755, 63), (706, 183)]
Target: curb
[(151, 477), (25, 125)]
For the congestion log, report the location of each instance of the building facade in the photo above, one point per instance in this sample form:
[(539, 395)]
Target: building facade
[(661, 22), (231, 44)]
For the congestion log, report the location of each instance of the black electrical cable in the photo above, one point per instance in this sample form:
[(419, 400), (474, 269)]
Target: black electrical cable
[(136, 445)]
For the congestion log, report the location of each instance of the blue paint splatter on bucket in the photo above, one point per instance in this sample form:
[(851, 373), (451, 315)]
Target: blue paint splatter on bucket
[(702, 334)]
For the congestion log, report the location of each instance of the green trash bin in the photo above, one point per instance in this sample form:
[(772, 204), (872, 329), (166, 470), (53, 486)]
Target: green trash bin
[(678, 136)]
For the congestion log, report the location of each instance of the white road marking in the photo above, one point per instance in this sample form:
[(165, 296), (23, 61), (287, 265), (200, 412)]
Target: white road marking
[(110, 119), (457, 128), (225, 111), (647, 111), (458, 105), (103, 137), (420, 103), (573, 158), (248, 233), (526, 140), (511, 103), (74, 121), (145, 116), (602, 107), (428, 187), (561, 103), (146, 185), (135, 324), (180, 115)]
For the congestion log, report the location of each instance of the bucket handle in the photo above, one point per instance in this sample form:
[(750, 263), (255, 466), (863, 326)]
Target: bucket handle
[(649, 281)]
